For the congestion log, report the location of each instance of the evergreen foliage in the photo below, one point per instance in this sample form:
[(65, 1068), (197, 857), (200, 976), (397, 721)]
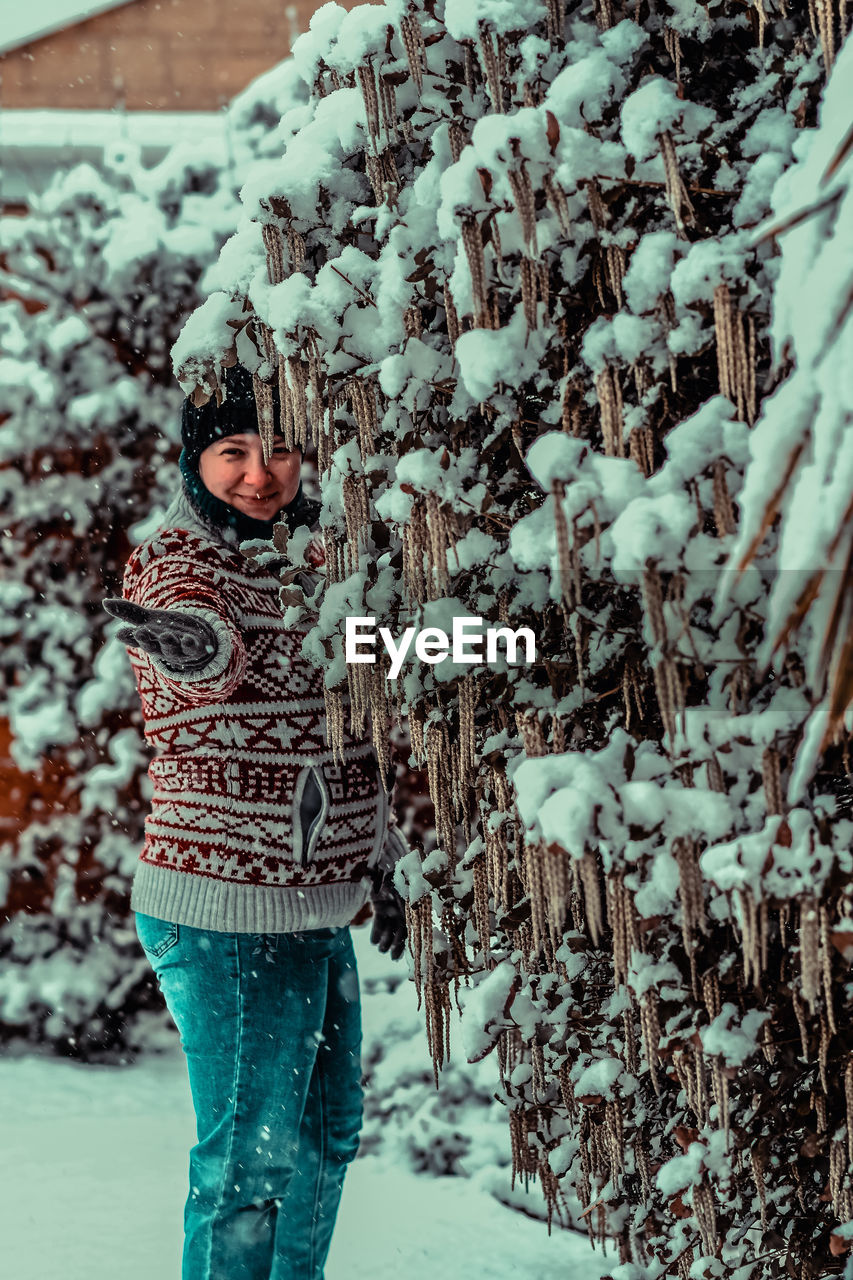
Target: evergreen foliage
[(507, 273)]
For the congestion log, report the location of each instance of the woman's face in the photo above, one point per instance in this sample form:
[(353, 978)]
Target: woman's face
[(233, 470)]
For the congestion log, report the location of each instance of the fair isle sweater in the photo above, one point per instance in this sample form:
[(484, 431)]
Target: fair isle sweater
[(236, 742)]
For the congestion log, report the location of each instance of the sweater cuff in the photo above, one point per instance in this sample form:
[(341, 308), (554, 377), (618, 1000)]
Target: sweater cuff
[(394, 848), (218, 660)]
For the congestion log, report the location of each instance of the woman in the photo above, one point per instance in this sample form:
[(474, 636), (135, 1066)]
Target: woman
[(259, 852)]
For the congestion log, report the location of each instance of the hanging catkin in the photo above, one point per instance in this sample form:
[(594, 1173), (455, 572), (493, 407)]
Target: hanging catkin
[(629, 1041), (641, 448), (528, 281), (297, 378), (491, 69), (614, 263), (826, 28), (672, 44), (733, 363), (609, 392), (589, 878), (467, 703), (415, 541), (704, 1208), (556, 197), (823, 1054), (437, 753), (837, 1170), (650, 1030), (457, 139), (357, 678), (723, 511), (266, 414), (438, 530), (800, 1014), (497, 863), (556, 879), (556, 20), (750, 938), (810, 967), (351, 490), (826, 966), (555, 1201), (416, 719), (518, 1143), (412, 322), (367, 81), (642, 1162), (453, 329), (770, 774), (532, 734), (758, 1166), (482, 916), (595, 204), (315, 383), (380, 711), (414, 918), (285, 405), (363, 400), (334, 723), (676, 192), (525, 206), (535, 854), (692, 895), (716, 781), (413, 42), (604, 14), (558, 735), (332, 550), (620, 916), (848, 1100), (275, 260), (296, 249), (720, 1084), (472, 241), (388, 108)]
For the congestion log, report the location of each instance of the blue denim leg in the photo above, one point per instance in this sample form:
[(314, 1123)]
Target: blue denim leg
[(328, 1135), (270, 1026)]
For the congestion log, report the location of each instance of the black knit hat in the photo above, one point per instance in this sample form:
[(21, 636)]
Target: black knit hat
[(238, 414)]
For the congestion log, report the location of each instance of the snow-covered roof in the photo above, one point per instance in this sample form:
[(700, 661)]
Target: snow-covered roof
[(35, 144), (23, 23)]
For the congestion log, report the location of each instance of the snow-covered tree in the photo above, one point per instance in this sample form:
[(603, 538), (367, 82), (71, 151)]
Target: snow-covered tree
[(98, 277), (512, 272)]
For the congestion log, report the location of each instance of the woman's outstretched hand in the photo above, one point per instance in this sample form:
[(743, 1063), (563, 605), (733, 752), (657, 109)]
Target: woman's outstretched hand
[(389, 917), (181, 640)]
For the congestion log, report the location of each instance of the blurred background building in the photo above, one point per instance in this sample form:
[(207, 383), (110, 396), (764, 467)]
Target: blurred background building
[(77, 76)]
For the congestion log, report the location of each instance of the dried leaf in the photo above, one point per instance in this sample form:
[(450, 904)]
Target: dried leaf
[(552, 130)]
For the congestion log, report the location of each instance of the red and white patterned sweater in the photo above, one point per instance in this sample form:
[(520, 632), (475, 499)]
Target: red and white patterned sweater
[(236, 742)]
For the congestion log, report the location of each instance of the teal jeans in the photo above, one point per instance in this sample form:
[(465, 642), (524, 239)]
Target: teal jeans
[(271, 1028)]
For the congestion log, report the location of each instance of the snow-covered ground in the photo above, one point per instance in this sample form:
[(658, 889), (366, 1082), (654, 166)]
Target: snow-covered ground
[(94, 1178)]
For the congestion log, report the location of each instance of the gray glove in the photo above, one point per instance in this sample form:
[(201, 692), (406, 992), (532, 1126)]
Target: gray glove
[(389, 917), (182, 641), (389, 909)]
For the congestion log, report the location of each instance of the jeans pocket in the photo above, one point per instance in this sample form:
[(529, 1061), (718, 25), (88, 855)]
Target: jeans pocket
[(155, 936)]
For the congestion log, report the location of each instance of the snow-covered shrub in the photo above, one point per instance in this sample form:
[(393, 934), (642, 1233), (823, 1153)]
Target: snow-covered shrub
[(801, 452), (507, 274)]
